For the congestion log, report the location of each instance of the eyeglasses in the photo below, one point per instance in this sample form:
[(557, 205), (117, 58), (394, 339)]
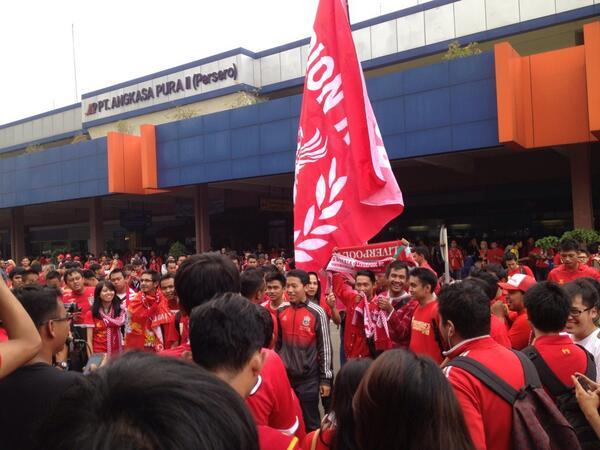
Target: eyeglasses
[(577, 313), (67, 318)]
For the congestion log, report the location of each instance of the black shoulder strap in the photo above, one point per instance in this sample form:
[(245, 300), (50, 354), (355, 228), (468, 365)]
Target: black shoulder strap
[(546, 375), (487, 377), (590, 370), (532, 378), (437, 336)]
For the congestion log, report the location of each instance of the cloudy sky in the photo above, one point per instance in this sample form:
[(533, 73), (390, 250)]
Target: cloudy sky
[(119, 40)]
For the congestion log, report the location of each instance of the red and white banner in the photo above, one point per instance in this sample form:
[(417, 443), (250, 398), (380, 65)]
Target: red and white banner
[(344, 191)]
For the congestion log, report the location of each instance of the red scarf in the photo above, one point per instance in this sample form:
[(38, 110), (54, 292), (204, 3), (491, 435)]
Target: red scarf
[(374, 322), (146, 315)]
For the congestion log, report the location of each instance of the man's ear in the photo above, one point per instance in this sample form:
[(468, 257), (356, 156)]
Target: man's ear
[(49, 328), (257, 361)]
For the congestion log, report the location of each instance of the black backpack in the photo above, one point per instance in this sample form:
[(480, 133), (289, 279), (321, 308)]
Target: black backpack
[(537, 422), (564, 396)]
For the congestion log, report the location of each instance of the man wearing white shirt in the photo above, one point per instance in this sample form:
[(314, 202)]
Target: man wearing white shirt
[(584, 313)]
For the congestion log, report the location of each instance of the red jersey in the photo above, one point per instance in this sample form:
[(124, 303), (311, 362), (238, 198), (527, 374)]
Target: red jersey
[(84, 301), (322, 440), (520, 332), (562, 275), (562, 356), (267, 305), (422, 336), (540, 262), (456, 258), (146, 315), (176, 352), (271, 439), (355, 341), (499, 331), (495, 256), (489, 418), (103, 333), (522, 270), (272, 401)]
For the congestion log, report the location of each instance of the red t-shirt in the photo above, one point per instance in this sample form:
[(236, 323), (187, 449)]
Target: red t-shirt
[(520, 331), (489, 418), (562, 356), (562, 275), (495, 256), (176, 352), (84, 301), (267, 305), (456, 258), (422, 336), (323, 440), (271, 439), (272, 401), (522, 270), (542, 263), (499, 331)]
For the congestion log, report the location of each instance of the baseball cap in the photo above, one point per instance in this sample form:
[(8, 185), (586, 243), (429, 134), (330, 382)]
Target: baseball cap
[(518, 282), (61, 256)]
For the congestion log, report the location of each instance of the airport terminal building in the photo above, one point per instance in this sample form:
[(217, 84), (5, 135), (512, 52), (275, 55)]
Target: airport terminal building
[(503, 143)]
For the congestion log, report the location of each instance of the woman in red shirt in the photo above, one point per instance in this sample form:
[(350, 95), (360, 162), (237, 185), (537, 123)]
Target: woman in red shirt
[(337, 427), (107, 316)]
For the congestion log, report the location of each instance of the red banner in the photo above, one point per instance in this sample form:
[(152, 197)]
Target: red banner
[(344, 189)]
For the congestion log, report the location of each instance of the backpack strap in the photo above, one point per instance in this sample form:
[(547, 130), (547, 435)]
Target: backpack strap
[(590, 370), (546, 375), (487, 377), (438, 336), (532, 379)]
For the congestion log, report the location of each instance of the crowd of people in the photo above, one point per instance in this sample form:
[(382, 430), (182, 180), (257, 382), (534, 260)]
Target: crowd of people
[(221, 351)]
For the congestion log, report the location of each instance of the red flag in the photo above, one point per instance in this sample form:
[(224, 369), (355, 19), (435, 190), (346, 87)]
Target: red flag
[(344, 189)]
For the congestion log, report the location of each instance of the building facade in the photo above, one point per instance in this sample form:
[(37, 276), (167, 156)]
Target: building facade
[(501, 144)]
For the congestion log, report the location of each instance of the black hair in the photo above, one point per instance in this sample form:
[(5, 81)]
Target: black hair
[(582, 287), (53, 275), (40, 302), (267, 268), (366, 273), (170, 262), (95, 266), (251, 281), (136, 262), (251, 256), (593, 282), (73, 270), (548, 306), (116, 301), (467, 306), (175, 404), (423, 251), (225, 332), (72, 265), (405, 402), (568, 245), (496, 269), (18, 270), (489, 280), (89, 273), (30, 271), (154, 274), (425, 276), (317, 297), (275, 276), (116, 271), (345, 385), (510, 256), (201, 277), (396, 265), (269, 326), (167, 276), (300, 274)]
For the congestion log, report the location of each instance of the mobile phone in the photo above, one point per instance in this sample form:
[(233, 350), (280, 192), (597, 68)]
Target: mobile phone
[(584, 383), (96, 359)]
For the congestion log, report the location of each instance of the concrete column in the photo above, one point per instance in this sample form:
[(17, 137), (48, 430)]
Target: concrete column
[(96, 226), (581, 186), (17, 233), (201, 218)]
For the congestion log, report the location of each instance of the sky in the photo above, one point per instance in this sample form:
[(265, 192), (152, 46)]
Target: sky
[(116, 41)]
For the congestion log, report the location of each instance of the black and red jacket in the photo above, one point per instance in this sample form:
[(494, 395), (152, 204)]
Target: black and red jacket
[(304, 343)]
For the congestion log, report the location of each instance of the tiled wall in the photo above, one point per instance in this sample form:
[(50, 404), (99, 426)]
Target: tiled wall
[(440, 108), (61, 173)]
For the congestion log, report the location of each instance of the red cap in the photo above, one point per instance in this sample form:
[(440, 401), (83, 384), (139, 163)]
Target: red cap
[(518, 282), (68, 255), (61, 256), (76, 258)]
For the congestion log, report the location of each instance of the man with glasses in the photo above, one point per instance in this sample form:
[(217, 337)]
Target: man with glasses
[(148, 315), (571, 268), (29, 393), (583, 316)]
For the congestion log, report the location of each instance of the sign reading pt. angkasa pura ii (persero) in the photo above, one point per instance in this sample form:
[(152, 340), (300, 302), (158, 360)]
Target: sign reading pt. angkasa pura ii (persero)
[(164, 87)]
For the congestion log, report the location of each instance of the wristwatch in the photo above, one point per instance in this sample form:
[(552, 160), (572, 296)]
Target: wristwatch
[(62, 365)]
